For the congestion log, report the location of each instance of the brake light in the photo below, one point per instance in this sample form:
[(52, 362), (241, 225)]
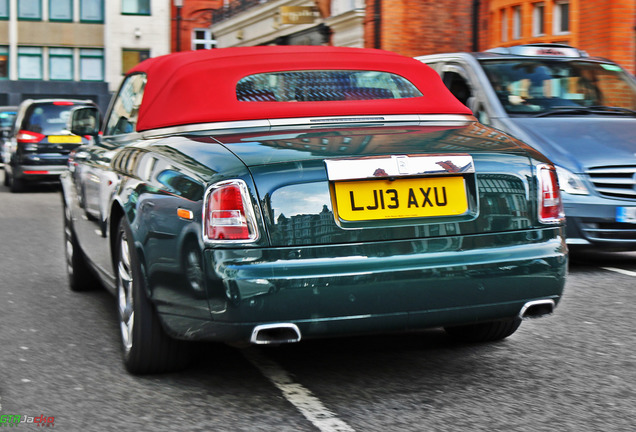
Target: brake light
[(228, 214), (550, 203), (63, 103), (24, 136)]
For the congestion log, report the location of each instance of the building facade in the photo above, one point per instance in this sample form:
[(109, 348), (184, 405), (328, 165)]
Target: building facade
[(603, 28), (290, 22), (76, 48), (191, 20), (134, 31)]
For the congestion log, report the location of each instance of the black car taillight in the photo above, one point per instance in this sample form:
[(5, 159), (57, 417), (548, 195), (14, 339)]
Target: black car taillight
[(27, 137), (228, 213)]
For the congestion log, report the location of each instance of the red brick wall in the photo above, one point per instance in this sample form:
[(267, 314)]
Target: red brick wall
[(193, 16), (416, 27), (607, 30), (603, 28)]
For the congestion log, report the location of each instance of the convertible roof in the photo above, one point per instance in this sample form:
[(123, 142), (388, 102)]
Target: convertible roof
[(200, 86)]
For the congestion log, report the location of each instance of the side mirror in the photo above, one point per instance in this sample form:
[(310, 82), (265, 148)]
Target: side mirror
[(84, 121)]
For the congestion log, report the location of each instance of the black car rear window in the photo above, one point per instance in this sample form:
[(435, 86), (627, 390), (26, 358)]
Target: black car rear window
[(324, 85), (47, 118)]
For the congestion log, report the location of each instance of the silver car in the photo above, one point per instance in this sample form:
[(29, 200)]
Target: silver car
[(578, 110)]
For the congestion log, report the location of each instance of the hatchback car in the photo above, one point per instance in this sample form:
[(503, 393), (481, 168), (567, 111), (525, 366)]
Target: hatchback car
[(40, 142), (232, 195), (577, 110)]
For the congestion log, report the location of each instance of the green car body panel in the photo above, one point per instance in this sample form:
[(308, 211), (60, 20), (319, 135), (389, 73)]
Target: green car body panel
[(331, 280)]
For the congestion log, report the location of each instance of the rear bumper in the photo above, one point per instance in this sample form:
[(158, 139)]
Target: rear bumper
[(376, 287), (594, 224), (38, 172)]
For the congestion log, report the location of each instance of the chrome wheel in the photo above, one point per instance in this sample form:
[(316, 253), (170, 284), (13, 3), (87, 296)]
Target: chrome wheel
[(68, 240), (125, 284)]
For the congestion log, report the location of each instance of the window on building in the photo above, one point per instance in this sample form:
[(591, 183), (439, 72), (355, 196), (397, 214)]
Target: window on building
[(91, 64), (504, 25), (61, 10), (91, 10), (516, 22), (135, 7), (538, 19), (4, 9), (30, 9), (561, 17), (132, 57), (202, 39), (61, 64), (4, 62), (29, 63)]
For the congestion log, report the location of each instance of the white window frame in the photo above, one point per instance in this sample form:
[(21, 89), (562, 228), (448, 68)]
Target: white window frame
[(516, 22), (208, 41), (538, 19), (504, 25), (557, 16)]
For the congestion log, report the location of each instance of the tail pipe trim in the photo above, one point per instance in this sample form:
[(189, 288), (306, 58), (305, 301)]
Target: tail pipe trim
[(537, 308), (275, 334)]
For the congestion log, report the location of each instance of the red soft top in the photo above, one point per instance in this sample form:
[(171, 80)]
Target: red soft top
[(200, 86)]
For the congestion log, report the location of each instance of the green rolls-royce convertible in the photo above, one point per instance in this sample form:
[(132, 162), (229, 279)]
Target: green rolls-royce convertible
[(267, 195)]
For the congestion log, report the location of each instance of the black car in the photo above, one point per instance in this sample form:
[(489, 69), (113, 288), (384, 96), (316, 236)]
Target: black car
[(39, 143)]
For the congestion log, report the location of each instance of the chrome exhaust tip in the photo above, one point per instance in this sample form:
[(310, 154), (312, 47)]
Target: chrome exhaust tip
[(268, 334), (537, 308)]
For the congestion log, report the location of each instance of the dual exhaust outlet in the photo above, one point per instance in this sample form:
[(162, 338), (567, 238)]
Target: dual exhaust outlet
[(280, 333)]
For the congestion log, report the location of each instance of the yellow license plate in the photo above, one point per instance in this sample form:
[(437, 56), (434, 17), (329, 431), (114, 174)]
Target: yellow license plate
[(364, 200), (64, 139)]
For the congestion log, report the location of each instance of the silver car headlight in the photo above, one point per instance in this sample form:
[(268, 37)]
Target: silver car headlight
[(571, 183)]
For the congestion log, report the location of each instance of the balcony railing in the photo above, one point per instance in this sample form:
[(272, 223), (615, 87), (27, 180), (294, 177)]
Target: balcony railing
[(232, 8)]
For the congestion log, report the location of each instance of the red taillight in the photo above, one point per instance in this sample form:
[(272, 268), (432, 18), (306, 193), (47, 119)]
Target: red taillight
[(29, 137), (227, 215), (550, 204), (63, 103)]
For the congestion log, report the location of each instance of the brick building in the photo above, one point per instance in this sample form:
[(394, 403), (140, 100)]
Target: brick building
[(191, 20), (417, 27), (603, 28)]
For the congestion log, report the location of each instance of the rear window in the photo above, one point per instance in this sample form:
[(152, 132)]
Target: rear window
[(47, 119), (324, 85), (6, 119)]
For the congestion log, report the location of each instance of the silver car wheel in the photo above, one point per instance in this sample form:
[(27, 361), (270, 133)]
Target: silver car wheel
[(125, 284), (68, 237)]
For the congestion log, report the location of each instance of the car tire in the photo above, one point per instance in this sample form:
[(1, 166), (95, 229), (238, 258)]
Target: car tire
[(146, 347), (80, 276), (484, 332), (6, 178), (16, 185)]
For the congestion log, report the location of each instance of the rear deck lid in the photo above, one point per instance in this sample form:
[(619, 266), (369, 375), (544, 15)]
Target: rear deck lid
[(370, 184)]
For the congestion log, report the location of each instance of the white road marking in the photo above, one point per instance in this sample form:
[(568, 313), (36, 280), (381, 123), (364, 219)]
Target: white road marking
[(621, 271), (308, 404)]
